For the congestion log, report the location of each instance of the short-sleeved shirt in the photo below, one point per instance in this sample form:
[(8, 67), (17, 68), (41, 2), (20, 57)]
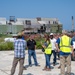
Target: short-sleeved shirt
[(63, 53), (58, 41), (53, 41), (31, 44), (73, 42)]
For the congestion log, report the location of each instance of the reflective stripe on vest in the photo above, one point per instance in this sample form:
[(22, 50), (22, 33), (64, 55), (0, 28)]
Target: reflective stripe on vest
[(48, 50), (65, 44)]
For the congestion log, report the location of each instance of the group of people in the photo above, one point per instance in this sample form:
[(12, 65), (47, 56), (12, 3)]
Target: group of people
[(52, 45), (20, 45)]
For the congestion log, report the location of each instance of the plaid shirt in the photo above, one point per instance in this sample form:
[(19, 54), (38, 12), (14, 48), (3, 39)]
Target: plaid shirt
[(19, 48)]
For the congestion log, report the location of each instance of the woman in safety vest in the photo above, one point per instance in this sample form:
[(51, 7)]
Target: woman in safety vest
[(47, 47)]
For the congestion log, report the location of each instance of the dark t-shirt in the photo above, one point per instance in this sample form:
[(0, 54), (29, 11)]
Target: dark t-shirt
[(31, 44)]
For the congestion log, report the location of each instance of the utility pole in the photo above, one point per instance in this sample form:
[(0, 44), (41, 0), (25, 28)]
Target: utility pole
[(72, 23)]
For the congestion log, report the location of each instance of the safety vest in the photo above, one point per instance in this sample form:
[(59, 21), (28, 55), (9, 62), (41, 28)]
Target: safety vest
[(48, 50), (65, 44)]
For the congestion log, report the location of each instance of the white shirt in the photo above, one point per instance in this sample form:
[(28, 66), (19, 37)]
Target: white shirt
[(73, 44), (53, 41)]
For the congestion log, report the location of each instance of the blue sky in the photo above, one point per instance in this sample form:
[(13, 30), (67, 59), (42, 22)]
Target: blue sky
[(61, 9)]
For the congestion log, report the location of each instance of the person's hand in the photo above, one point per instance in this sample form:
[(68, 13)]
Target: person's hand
[(43, 46), (58, 50)]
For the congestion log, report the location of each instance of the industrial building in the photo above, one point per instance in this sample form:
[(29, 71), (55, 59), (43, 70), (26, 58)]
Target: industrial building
[(34, 25)]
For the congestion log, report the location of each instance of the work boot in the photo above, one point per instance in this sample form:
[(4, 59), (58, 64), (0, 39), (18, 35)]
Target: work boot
[(53, 64), (59, 67), (24, 68), (44, 68), (48, 69)]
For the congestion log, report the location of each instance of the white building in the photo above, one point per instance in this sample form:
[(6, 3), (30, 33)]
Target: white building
[(2, 21), (36, 23), (30, 24)]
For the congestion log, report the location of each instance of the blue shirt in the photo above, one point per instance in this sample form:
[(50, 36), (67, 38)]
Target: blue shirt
[(19, 48), (63, 53), (73, 39), (58, 42)]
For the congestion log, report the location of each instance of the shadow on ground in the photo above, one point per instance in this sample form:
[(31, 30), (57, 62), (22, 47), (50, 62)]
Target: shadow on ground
[(28, 74), (68, 74), (26, 66)]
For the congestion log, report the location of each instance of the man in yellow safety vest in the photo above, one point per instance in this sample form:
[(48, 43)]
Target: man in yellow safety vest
[(66, 48)]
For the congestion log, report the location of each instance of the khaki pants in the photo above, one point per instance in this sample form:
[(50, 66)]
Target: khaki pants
[(15, 62), (67, 60)]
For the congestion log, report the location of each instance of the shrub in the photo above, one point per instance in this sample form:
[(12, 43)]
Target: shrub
[(3, 46), (10, 45), (6, 46), (38, 43)]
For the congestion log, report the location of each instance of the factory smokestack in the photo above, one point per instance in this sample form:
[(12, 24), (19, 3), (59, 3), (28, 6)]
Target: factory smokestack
[(72, 23)]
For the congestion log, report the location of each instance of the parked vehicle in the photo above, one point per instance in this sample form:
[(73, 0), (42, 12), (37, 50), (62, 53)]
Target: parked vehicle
[(9, 39)]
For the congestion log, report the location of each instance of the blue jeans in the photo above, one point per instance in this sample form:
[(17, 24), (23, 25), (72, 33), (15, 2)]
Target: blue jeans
[(47, 58), (54, 54), (32, 53)]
